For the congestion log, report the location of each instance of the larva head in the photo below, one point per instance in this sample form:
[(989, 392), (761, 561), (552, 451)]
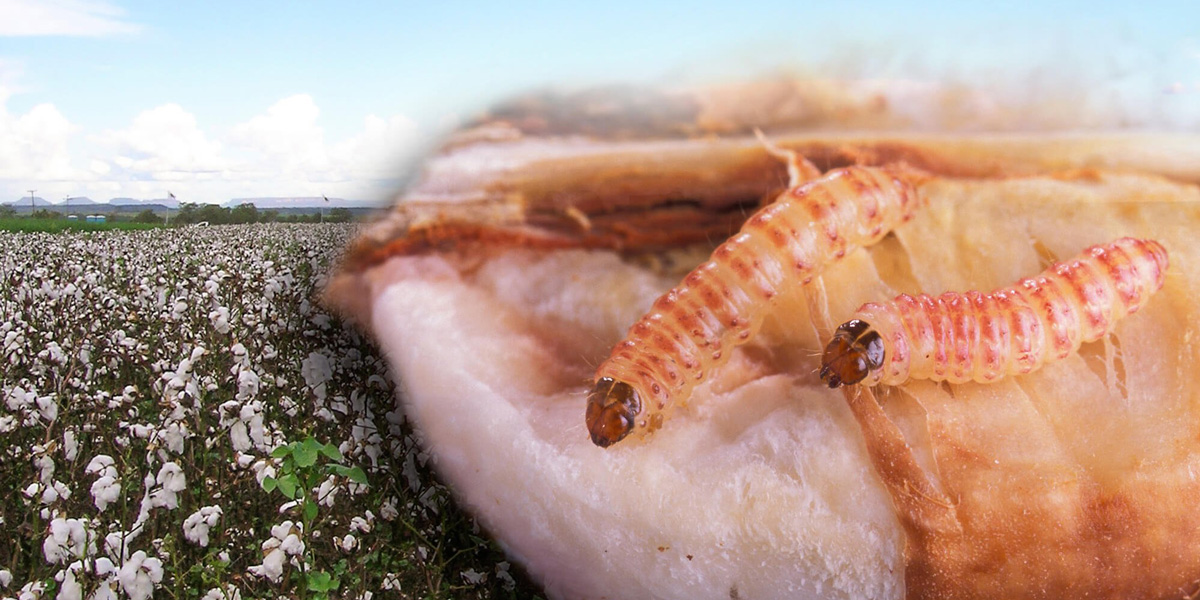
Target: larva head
[(612, 410), (854, 352)]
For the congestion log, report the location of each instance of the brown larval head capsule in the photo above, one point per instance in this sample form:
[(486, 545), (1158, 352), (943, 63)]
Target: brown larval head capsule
[(854, 351), (612, 409)]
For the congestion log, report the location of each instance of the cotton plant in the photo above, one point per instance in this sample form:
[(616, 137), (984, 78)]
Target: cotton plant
[(147, 381)]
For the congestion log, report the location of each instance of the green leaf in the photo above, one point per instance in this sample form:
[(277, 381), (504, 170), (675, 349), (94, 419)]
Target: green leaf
[(281, 451), (342, 470), (287, 485), (331, 452), (306, 453), (321, 581), (310, 510), (269, 484), (357, 475)]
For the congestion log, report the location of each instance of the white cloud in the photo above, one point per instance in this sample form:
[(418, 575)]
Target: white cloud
[(379, 150), (35, 144), (63, 17), (286, 138), (287, 142), (100, 167), (165, 143), (280, 152)]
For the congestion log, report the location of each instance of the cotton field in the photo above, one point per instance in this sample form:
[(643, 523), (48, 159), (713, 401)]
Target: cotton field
[(183, 420)]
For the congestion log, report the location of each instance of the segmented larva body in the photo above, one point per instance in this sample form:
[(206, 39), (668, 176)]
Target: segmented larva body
[(959, 337), (693, 328)]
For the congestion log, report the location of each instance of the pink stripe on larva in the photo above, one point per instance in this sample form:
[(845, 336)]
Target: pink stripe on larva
[(960, 337), (694, 327)]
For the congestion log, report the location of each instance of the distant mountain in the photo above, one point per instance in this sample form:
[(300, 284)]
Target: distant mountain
[(37, 201), (299, 202), (126, 204), (42, 202)]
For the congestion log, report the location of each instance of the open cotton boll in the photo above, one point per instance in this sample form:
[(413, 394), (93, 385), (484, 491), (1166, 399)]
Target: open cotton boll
[(105, 491), (140, 575), (67, 539), (171, 481), (197, 525), (765, 483), (679, 517)]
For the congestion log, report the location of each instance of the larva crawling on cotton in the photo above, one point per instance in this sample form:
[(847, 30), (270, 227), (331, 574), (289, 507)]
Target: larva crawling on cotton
[(959, 337), (692, 329)]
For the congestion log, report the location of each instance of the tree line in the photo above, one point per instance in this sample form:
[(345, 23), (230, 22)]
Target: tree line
[(195, 212)]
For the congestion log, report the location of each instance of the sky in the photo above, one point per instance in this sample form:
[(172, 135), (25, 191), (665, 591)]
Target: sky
[(217, 100)]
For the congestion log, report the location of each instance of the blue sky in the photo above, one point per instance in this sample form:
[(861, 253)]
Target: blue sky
[(214, 100)]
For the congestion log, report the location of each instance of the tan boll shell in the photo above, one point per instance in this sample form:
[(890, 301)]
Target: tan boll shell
[(537, 236)]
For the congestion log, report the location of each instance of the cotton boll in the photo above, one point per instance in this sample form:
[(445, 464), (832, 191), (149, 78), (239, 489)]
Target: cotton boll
[(140, 575), (70, 445), (67, 539), (503, 575), (171, 481), (69, 587), (172, 436), (316, 370), (284, 529), (248, 384), (229, 592), (117, 544), (47, 408), (273, 560), (239, 353), (105, 590), (292, 545), (326, 492), (102, 464), (104, 567), (179, 309), (624, 503), (361, 524), (262, 470), (32, 591), (105, 490), (387, 511), (239, 437), (391, 581), (197, 525), (220, 319), (18, 398)]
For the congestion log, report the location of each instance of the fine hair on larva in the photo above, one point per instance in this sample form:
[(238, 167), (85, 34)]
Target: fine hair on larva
[(693, 328), (972, 336)]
